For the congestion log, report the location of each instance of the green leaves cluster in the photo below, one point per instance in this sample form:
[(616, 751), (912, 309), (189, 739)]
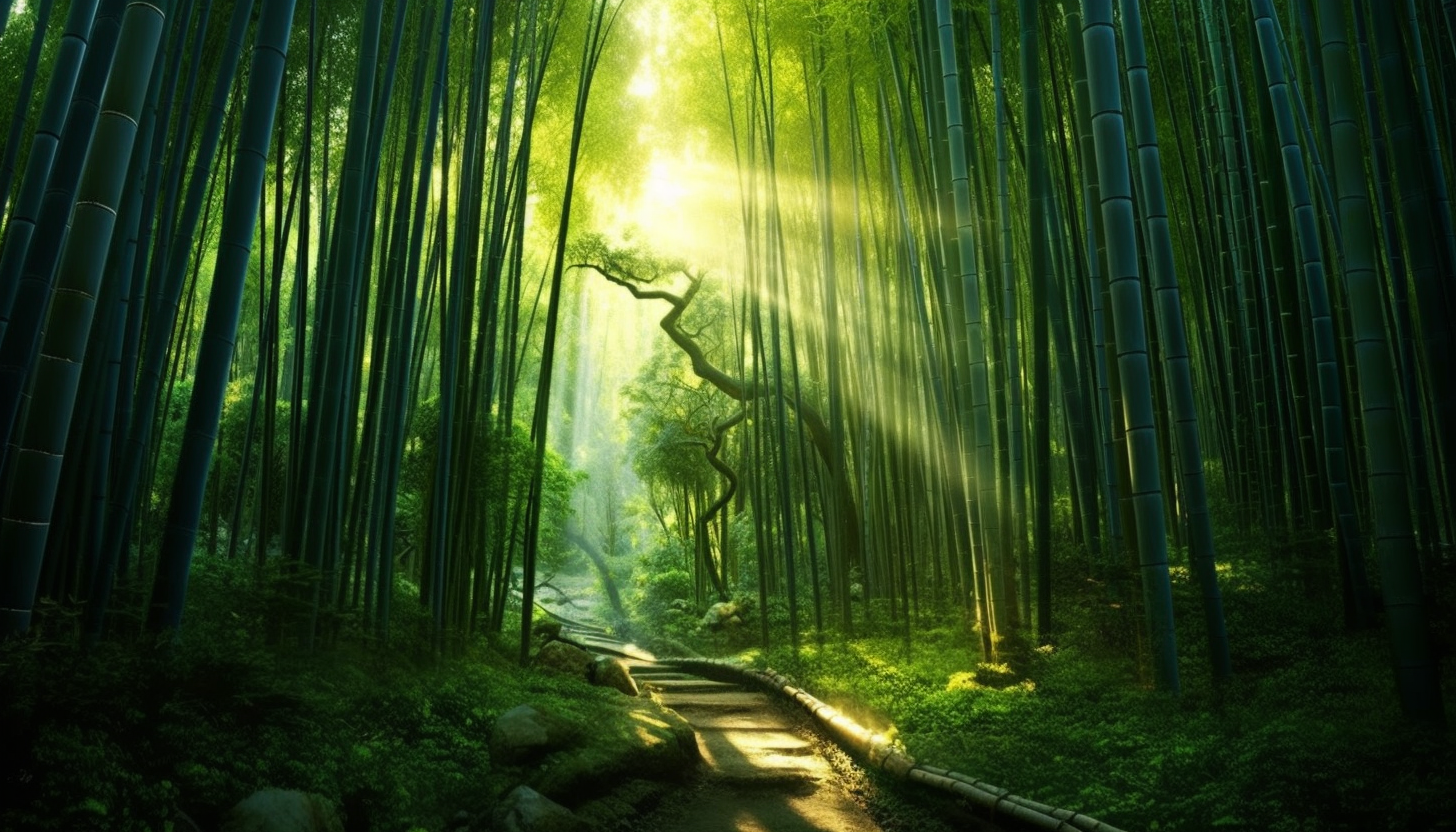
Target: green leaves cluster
[(498, 470), (630, 258)]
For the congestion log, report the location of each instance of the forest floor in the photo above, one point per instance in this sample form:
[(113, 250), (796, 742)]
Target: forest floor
[(138, 731), (1307, 736)]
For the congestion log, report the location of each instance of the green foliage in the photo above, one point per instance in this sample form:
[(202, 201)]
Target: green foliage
[(228, 457), (662, 597), (1306, 737), (222, 487), (14, 50), (672, 415), (499, 471), (629, 260), (121, 738)]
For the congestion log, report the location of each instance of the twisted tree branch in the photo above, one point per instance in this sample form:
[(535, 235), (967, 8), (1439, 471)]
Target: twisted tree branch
[(617, 268)]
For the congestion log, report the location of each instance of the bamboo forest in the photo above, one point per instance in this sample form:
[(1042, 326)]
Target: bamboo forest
[(727, 415)]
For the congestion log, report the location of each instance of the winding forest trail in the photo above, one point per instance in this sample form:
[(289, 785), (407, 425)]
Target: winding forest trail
[(769, 767), (762, 772)]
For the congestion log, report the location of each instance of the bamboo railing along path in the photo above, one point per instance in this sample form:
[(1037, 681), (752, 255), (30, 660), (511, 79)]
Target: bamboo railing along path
[(988, 802)]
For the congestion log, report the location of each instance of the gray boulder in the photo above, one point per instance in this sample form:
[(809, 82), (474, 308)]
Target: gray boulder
[(720, 614), (609, 672), (524, 734), (276, 810), (565, 658), (526, 810)]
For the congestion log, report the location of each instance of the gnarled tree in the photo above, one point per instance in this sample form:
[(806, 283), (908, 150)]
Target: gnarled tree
[(646, 276)]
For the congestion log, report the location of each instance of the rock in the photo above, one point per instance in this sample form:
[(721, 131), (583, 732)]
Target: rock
[(609, 672), (719, 614), (653, 743), (276, 810), (524, 734), (565, 658), (526, 810), (727, 614)]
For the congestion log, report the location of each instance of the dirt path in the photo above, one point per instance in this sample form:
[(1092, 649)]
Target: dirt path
[(760, 773)]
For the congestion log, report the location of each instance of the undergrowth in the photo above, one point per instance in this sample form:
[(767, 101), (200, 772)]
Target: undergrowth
[(124, 736), (1307, 736)]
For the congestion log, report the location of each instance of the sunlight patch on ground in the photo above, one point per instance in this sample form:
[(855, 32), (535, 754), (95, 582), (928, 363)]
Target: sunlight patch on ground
[(971, 681), (751, 656), (650, 720)]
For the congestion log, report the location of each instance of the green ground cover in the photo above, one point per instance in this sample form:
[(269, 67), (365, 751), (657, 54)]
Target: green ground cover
[(1308, 736), (122, 737)]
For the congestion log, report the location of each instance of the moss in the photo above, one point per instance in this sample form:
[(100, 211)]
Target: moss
[(628, 739), (122, 738), (624, 804)]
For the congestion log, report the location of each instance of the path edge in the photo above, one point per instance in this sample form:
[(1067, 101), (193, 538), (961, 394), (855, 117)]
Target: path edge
[(885, 754)]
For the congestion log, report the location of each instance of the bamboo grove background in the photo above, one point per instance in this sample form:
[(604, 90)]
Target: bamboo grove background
[(1006, 278)]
